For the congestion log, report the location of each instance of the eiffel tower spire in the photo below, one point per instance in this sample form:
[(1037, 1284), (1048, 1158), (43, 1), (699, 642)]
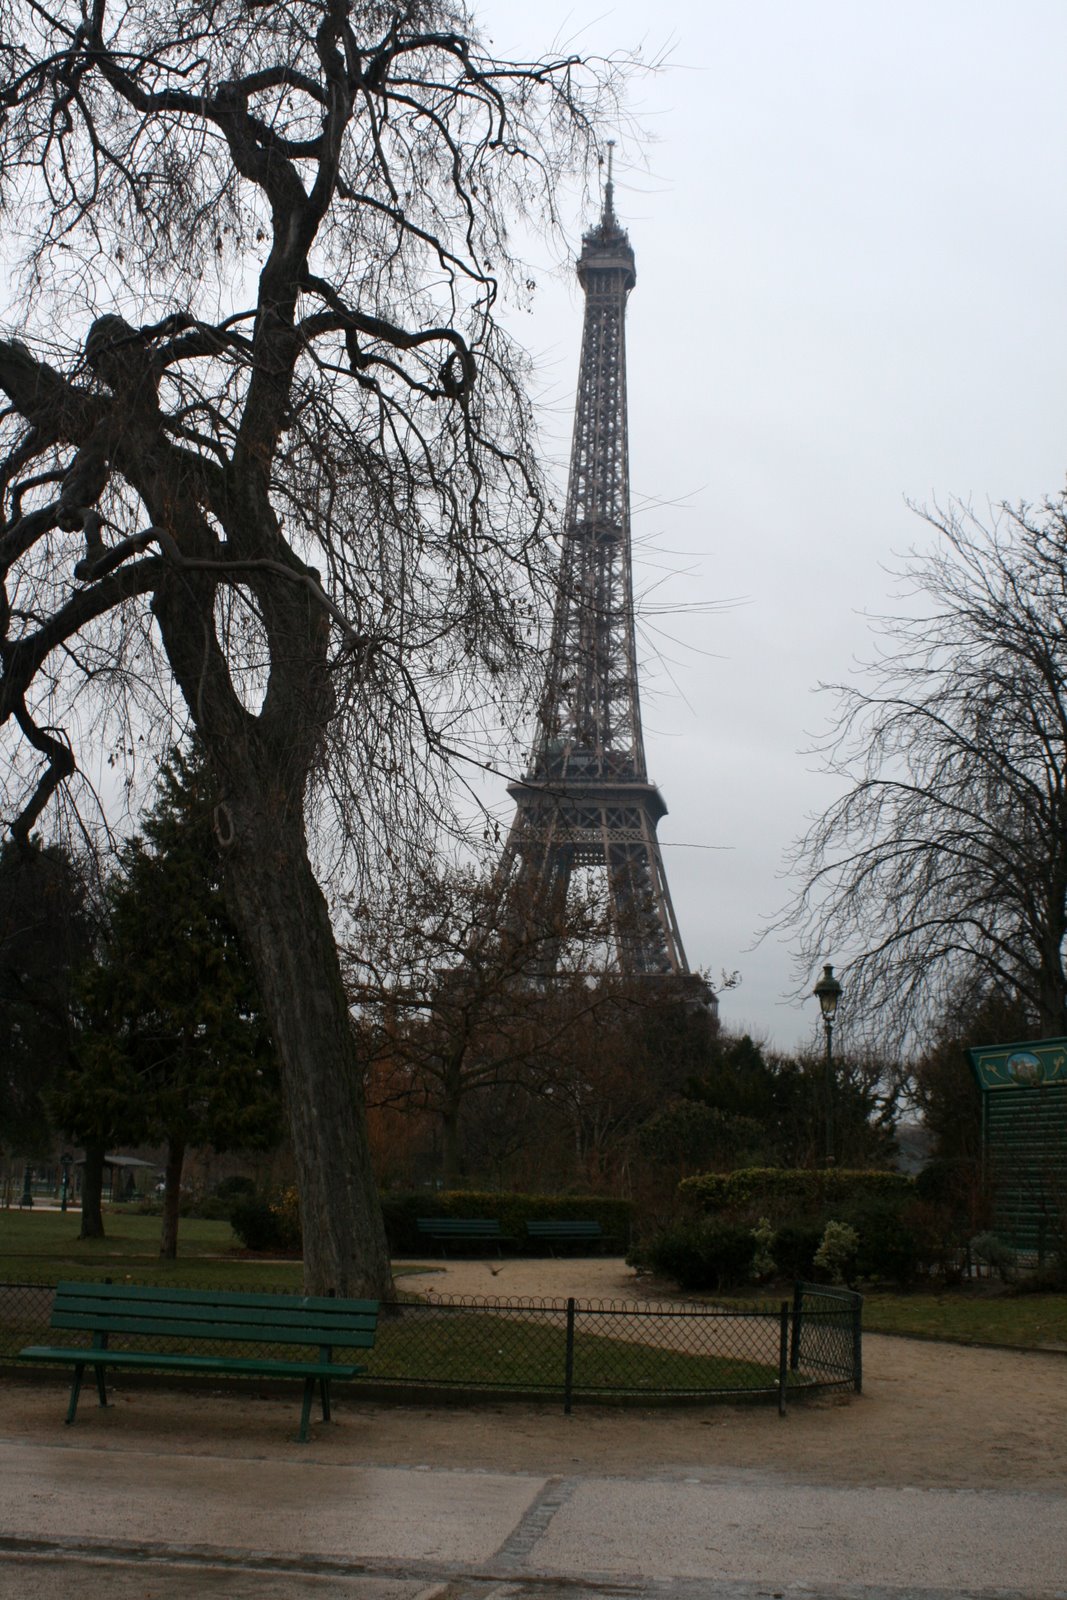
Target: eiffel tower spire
[(585, 800)]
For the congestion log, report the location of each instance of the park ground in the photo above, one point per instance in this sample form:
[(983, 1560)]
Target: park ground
[(947, 1476)]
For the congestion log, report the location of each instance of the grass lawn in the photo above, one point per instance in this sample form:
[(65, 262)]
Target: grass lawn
[(476, 1348), (43, 1247), (1030, 1321), (967, 1316)]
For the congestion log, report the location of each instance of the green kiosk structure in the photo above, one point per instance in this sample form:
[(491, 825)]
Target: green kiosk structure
[(1024, 1139)]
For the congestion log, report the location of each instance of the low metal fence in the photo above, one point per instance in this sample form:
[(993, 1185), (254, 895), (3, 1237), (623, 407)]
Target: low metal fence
[(572, 1349)]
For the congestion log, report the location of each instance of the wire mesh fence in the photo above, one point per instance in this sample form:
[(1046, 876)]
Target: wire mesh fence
[(572, 1349)]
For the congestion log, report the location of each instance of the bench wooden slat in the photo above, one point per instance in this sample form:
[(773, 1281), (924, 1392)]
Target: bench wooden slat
[(112, 1293), (564, 1230), (171, 1327), (162, 1361), (473, 1227)]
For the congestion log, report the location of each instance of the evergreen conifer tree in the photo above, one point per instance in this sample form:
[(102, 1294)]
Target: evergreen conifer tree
[(175, 1047)]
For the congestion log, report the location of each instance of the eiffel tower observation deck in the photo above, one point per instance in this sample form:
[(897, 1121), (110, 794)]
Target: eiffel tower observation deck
[(585, 800)]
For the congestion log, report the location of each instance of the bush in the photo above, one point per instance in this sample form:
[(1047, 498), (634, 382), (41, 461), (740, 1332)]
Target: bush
[(236, 1187), (699, 1254), (791, 1192), (255, 1224), (763, 1252), (264, 1224), (795, 1244), (891, 1248), (836, 1256), (996, 1254)]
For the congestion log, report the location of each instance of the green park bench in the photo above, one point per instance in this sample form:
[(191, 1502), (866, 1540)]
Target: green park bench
[(583, 1230), (191, 1316), (463, 1230)]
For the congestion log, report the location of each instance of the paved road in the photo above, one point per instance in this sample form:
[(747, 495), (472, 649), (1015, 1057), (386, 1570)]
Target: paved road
[(151, 1523)]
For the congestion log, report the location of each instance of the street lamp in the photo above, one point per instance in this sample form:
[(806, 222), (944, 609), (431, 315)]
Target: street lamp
[(828, 992)]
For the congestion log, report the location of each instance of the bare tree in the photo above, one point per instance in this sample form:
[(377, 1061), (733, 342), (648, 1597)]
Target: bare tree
[(945, 860), (267, 449), (452, 1002)]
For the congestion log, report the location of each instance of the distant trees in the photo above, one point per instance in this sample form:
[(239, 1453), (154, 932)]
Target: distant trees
[(46, 937), (450, 1003), (945, 860), (173, 1046), (750, 1106)]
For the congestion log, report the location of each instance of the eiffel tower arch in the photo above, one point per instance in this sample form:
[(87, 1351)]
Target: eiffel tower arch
[(585, 800)]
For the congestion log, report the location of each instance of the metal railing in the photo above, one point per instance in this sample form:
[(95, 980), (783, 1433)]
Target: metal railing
[(572, 1349)]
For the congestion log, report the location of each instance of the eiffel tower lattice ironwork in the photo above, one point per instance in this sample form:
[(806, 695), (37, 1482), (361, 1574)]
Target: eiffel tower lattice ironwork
[(585, 800)]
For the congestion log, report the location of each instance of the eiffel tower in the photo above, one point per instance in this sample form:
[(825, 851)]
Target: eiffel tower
[(586, 800)]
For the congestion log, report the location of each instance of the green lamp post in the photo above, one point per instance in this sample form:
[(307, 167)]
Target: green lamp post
[(828, 992)]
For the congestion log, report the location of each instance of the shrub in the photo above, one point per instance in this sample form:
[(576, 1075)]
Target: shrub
[(763, 1255), (264, 1224), (254, 1223), (836, 1255), (699, 1254), (891, 1248), (236, 1187), (780, 1192), (795, 1245), (996, 1254)]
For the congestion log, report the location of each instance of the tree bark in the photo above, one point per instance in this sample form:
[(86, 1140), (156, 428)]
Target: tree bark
[(286, 928), (92, 1190), (172, 1194)]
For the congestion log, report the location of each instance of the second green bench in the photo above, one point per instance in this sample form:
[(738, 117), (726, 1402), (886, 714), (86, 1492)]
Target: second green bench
[(583, 1230), (463, 1230)]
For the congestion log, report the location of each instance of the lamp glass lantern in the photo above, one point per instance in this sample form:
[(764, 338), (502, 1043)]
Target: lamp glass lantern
[(828, 992)]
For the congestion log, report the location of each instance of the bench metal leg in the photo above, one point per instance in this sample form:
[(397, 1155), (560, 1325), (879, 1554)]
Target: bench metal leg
[(325, 1384), (101, 1392), (305, 1415), (75, 1391)]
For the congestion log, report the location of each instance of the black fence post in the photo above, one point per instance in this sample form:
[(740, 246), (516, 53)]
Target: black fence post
[(568, 1371), (783, 1355), (857, 1343), (794, 1347)]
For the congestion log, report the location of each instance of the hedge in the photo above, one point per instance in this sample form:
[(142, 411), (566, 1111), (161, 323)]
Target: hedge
[(792, 1192), (699, 1253), (263, 1223)]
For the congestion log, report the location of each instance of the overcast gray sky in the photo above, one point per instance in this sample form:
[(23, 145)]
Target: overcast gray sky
[(850, 236)]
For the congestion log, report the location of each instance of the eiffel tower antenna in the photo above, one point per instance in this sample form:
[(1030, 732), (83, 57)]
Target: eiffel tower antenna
[(609, 186), (586, 800)]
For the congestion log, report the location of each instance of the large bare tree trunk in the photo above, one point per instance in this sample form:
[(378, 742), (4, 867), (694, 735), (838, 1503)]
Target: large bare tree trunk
[(286, 926)]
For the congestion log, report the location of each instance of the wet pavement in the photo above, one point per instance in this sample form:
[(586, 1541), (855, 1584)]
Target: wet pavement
[(158, 1523)]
